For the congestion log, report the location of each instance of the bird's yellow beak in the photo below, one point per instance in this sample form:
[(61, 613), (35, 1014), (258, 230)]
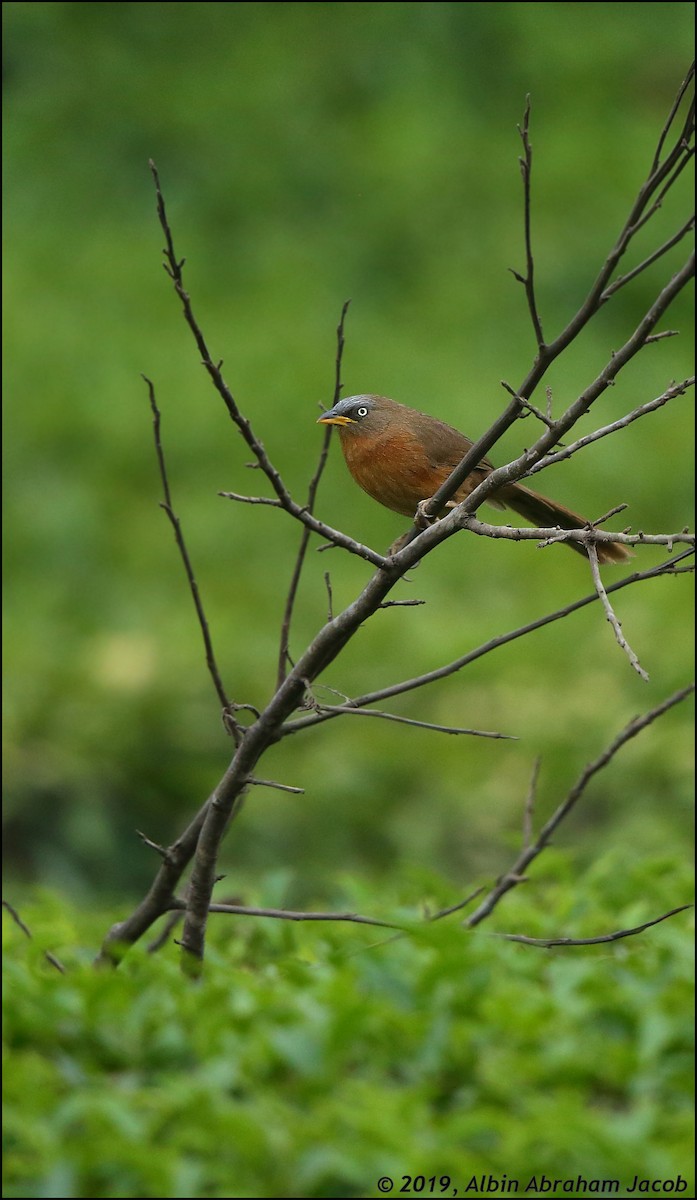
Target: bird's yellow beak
[(329, 420)]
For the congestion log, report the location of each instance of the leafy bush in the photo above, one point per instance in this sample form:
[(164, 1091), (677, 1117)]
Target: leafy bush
[(313, 1060)]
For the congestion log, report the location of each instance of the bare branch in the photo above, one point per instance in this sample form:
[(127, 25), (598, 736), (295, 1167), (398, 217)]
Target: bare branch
[(284, 914), (610, 612), (660, 337), (346, 709), (529, 280), (453, 908), (330, 596), (547, 943), (152, 845), (516, 873), (251, 499), (532, 408), (671, 117), (10, 908), (281, 787), (165, 934), (677, 169), (622, 280), (529, 810), (401, 603), (612, 512), (585, 537), (188, 567)]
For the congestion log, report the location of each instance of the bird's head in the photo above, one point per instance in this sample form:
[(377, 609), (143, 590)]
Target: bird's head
[(360, 414)]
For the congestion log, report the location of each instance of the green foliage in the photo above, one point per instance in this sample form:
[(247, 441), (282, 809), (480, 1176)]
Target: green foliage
[(311, 1060)]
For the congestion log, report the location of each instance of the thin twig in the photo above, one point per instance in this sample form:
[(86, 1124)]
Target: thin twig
[(453, 908), (309, 508), (165, 934), (272, 783), (10, 908), (337, 709), (168, 508), (532, 408), (401, 603), (529, 809), (284, 914), (610, 612), (516, 873), (330, 597), (152, 845), (529, 280), (622, 280), (268, 500), (671, 117), (547, 943), (660, 337), (50, 958), (612, 512), (677, 166)]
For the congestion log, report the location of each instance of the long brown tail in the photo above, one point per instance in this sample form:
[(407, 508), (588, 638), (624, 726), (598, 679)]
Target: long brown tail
[(541, 511)]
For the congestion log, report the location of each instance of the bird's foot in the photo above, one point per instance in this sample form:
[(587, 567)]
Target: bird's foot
[(422, 517)]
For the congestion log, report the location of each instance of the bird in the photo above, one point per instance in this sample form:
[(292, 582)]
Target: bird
[(401, 456)]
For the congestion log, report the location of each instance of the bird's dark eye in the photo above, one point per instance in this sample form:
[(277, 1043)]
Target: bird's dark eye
[(362, 411)]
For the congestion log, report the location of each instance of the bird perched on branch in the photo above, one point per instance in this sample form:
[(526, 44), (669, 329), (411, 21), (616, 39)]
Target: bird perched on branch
[(400, 457)]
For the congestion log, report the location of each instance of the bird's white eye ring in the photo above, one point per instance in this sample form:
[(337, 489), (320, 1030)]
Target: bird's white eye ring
[(362, 412)]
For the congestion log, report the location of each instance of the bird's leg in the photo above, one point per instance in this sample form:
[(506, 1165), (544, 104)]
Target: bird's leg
[(398, 544), (422, 520)]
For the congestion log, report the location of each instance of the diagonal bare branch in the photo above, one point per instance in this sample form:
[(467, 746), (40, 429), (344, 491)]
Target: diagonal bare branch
[(229, 708), (516, 873), (348, 709)]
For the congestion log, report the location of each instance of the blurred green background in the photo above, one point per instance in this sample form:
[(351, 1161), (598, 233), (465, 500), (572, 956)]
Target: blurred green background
[(312, 153)]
